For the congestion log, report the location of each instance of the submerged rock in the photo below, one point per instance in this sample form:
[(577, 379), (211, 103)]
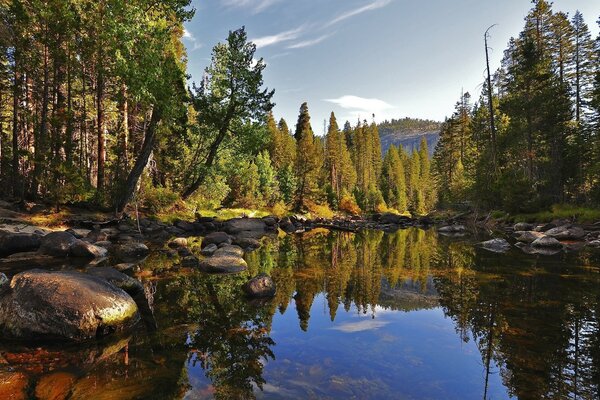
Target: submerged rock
[(57, 244), (229, 250), (87, 250), (260, 286), (546, 242), (209, 250), (132, 250), (496, 245), (11, 243), (453, 229), (64, 305), (247, 243), (125, 282)]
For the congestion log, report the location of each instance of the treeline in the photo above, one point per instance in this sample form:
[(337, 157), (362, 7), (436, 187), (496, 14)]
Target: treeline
[(540, 143)]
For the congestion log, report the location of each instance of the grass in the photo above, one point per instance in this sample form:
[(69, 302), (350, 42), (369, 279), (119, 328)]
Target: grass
[(561, 211)]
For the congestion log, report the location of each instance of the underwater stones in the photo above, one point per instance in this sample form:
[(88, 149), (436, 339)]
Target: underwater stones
[(496, 245), (260, 286), (65, 306)]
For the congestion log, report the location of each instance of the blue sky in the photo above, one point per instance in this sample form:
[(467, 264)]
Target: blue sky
[(393, 58)]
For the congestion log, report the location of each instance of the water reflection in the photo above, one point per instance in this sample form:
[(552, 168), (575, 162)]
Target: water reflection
[(366, 315)]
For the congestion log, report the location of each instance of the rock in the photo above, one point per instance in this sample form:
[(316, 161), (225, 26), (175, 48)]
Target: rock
[(184, 252), (97, 236), (130, 285), (270, 221), (523, 226), (209, 250), (223, 264), (452, 229), (527, 236), (229, 250), (78, 233), (247, 243), (216, 238), (238, 225), (87, 250), (133, 250), (593, 243), (544, 227), (65, 306), (105, 243), (57, 244), (260, 286), (13, 385), (190, 262), (566, 232), (185, 226), (178, 242), (11, 243), (389, 218), (287, 226), (496, 245), (125, 267), (125, 227), (546, 242)]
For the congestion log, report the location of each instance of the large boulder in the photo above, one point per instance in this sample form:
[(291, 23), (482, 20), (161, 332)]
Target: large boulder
[(223, 264), (57, 244), (527, 236), (229, 250), (260, 286), (496, 245), (546, 242), (237, 225), (11, 243), (125, 282), (65, 306), (216, 238), (566, 232), (247, 243), (87, 250)]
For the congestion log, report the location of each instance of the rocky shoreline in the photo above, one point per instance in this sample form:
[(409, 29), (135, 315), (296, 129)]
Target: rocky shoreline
[(103, 297)]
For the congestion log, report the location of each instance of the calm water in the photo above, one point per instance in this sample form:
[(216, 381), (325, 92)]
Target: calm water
[(410, 315)]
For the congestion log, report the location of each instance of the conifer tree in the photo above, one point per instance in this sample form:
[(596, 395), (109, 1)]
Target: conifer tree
[(341, 172), (308, 163)]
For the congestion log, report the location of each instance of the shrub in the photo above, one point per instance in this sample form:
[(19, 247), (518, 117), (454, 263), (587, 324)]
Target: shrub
[(348, 205)]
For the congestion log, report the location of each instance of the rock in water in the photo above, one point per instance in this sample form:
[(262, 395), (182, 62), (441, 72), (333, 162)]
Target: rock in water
[(527, 236), (229, 250), (57, 244), (523, 226), (209, 250), (223, 264), (216, 238), (496, 245), (260, 286), (546, 242), (11, 243), (238, 225), (131, 251), (566, 232), (65, 306), (87, 250)]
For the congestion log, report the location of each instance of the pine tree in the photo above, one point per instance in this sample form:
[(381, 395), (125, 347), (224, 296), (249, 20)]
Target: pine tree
[(308, 162), (341, 172)]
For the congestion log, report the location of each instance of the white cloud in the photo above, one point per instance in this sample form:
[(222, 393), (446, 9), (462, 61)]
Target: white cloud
[(189, 37), (257, 6), (308, 43), (277, 38), (363, 108), (365, 325), (369, 7)]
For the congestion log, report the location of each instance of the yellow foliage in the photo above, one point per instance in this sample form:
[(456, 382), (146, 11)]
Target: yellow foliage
[(318, 210), (348, 205), (279, 209)]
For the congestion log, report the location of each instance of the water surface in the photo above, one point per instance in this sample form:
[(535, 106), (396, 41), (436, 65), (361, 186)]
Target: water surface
[(408, 315)]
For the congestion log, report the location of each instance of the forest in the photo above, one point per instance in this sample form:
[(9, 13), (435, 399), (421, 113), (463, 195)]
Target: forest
[(95, 109)]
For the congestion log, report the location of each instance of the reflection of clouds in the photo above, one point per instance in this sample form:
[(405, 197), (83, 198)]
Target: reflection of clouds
[(366, 325)]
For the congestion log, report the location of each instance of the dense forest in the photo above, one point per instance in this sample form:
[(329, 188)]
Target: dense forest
[(95, 109), (532, 139)]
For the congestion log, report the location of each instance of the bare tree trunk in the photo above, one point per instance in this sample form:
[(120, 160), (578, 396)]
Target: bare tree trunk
[(140, 162), (15, 131), (490, 100), (40, 143), (100, 131)]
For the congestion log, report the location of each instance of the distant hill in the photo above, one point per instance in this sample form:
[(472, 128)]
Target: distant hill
[(408, 132)]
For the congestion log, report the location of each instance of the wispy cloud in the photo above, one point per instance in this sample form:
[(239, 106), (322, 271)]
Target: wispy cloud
[(189, 37), (366, 325), (369, 7), (308, 43), (277, 38), (361, 107), (257, 6)]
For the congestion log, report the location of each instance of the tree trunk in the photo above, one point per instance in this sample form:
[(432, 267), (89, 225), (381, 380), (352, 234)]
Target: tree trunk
[(40, 143), (140, 162), (100, 131), (15, 131)]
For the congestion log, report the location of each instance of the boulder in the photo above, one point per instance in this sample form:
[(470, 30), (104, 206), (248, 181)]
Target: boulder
[(544, 227), (270, 221), (131, 251), (190, 262), (566, 232), (64, 306), (216, 238), (389, 218), (209, 250), (546, 242), (593, 243), (3, 281), (11, 243), (452, 229), (13, 385), (527, 236), (55, 386), (238, 225), (223, 264), (287, 226), (523, 226), (496, 245), (87, 250), (185, 226), (260, 286), (57, 244), (97, 236)]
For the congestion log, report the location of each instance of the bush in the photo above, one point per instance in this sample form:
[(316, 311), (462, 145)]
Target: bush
[(348, 205), (157, 199), (279, 209), (318, 210)]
